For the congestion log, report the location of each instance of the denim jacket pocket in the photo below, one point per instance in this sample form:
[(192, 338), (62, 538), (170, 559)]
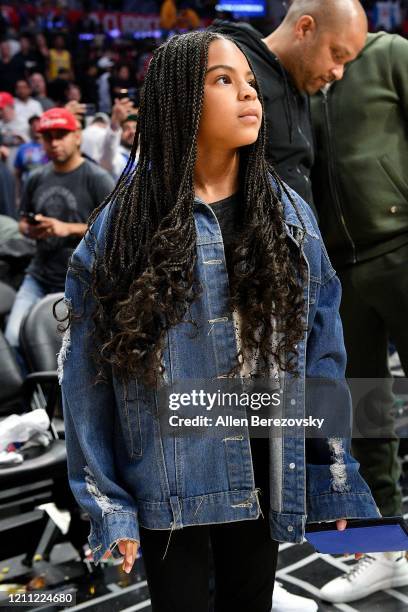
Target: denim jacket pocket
[(127, 401)]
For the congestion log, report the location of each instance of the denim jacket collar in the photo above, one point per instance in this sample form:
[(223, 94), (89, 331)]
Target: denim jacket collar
[(292, 219)]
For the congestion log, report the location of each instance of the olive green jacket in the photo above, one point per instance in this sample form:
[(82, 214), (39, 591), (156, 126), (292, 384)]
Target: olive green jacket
[(360, 179)]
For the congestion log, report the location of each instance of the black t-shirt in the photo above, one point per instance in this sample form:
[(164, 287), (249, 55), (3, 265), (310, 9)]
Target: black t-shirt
[(69, 197), (227, 212)]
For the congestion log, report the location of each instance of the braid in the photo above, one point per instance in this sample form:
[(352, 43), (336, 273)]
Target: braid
[(143, 281)]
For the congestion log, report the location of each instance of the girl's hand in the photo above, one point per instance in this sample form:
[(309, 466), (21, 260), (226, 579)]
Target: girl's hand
[(341, 524), (128, 548)]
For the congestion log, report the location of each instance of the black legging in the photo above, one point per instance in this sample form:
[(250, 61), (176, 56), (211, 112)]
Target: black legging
[(244, 557)]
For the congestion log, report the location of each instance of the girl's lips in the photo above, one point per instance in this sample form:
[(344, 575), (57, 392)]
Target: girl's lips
[(250, 112), (249, 118)]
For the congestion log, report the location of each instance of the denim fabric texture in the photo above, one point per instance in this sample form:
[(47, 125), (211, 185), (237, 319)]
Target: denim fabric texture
[(124, 473)]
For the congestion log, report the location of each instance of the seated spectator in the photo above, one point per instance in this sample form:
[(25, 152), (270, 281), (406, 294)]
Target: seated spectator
[(11, 68), (13, 131), (59, 58), (119, 137), (60, 196), (30, 155), (93, 137), (24, 104), (39, 91)]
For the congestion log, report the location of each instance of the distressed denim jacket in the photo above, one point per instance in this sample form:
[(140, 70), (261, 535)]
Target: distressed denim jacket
[(125, 473)]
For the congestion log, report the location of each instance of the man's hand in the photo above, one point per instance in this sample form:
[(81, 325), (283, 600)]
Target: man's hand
[(49, 227), (37, 231), (120, 111), (341, 525)]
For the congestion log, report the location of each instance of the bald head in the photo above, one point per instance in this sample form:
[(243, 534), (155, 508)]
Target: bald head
[(330, 14)]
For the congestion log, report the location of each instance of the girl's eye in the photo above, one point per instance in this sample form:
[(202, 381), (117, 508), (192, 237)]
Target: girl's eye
[(252, 83), (224, 78)]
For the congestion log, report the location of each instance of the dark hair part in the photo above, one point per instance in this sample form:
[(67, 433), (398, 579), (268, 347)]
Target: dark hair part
[(144, 283)]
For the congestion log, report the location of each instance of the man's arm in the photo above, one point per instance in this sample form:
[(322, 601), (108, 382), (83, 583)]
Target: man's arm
[(49, 226), (399, 63), (120, 111)]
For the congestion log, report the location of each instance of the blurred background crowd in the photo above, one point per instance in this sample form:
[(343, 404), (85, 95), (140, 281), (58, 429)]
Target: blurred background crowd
[(89, 54)]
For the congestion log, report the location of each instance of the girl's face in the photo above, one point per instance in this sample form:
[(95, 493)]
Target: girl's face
[(232, 113)]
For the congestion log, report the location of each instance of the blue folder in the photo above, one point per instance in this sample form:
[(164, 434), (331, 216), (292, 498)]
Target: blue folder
[(360, 536)]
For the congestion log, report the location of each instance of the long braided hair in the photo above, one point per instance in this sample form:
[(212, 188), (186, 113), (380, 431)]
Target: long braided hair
[(144, 283)]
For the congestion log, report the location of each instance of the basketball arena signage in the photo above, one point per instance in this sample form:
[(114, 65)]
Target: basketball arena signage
[(124, 22)]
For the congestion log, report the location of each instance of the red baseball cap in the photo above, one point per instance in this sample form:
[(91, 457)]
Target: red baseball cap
[(58, 119), (6, 99)]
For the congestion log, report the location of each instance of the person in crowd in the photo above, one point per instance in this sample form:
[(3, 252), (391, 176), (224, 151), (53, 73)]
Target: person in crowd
[(105, 65), (310, 47), (11, 69), (59, 197), (168, 15), (88, 84), (361, 192), (93, 137), (59, 58), (30, 155), (25, 105), (187, 271), (42, 48), (121, 81), (72, 92), (7, 188), (32, 60), (13, 130), (39, 90), (58, 86), (119, 137)]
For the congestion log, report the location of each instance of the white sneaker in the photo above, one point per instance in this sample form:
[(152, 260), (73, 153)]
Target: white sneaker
[(283, 601), (374, 572)]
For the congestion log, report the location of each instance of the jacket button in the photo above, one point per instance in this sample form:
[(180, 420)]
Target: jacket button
[(292, 466), (290, 528), (293, 402), (393, 210)]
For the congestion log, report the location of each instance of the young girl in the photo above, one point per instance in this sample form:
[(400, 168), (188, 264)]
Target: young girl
[(202, 265)]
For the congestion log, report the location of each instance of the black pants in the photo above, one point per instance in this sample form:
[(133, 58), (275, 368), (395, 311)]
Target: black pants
[(374, 308), (244, 559)]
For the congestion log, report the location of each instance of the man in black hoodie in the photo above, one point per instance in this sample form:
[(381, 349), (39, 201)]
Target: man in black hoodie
[(309, 49)]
